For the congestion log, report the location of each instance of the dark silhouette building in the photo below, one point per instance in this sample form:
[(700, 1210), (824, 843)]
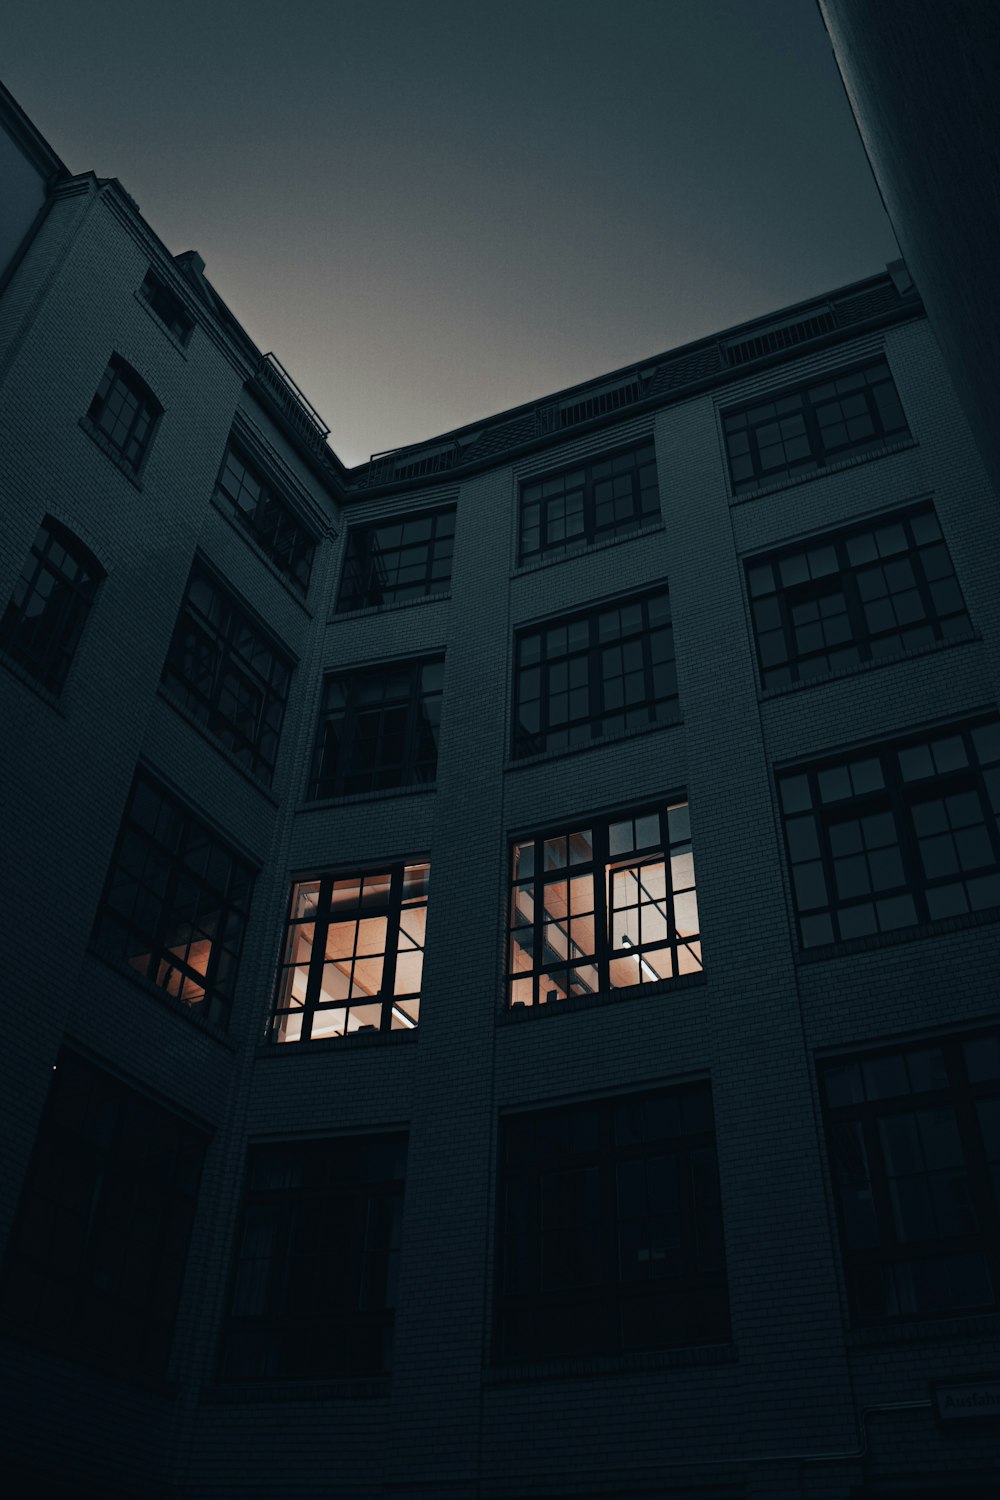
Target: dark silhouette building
[(649, 1149)]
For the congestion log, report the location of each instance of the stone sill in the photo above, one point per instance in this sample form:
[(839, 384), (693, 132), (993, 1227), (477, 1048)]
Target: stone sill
[(770, 695), (373, 611), (544, 756), (850, 461), (177, 1007), (350, 798), (584, 549), (403, 1036), (520, 1015), (589, 1366), (901, 935), (248, 1393)]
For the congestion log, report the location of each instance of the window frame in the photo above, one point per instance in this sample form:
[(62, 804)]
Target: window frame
[(323, 784), (119, 374), (363, 537), (296, 568), (592, 533), (51, 666)]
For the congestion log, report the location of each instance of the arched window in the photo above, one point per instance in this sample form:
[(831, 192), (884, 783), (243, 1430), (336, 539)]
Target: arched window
[(42, 624), (125, 412)]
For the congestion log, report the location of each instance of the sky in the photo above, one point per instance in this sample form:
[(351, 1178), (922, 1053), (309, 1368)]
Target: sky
[(432, 210)]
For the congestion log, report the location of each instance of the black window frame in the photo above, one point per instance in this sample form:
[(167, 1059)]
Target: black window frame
[(274, 524), (542, 915), (897, 563), (582, 1254), (309, 1206), (344, 765), (595, 644), (98, 1253), (370, 547), (892, 1120), (793, 415), (320, 915), (65, 604), (167, 307), (132, 445), (169, 870), (897, 805), (236, 650), (588, 475)]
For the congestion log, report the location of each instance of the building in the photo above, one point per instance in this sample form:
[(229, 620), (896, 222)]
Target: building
[(560, 1174)]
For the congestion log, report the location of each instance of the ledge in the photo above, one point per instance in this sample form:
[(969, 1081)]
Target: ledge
[(519, 1015), (543, 756), (178, 1007), (924, 1331), (584, 549), (371, 610), (247, 1393), (850, 461), (378, 796), (247, 536), (110, 451), (404, 1036), (912, 934), (590, 1366), (769, 695), (202, 728)]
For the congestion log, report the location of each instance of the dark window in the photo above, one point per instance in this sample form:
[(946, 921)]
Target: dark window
[(611, 1227), (396, 560), (226, 670), (895, 834), (854, 596), (603, 907), (594, 674), (99, 1246), (354, 954), (42, 624), (125, 412), (175, 903), (314, 1289), (797, 432), (273, 525), (604, 498), (914, 1144), (378, 728), (168, 307)]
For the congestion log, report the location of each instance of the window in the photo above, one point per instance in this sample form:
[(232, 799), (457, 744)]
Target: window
[(797, 432), (391, 561), (168, 307), (378, 728), (611, 1227), (272, 524), (317, 1253), (605, 498), (124, 412), (603, 907), (914, 1144), (594, 674), (175, 903), (42, 624), (895, 834), (854, 596), (226, 670), (100, 1242), (354, 954)]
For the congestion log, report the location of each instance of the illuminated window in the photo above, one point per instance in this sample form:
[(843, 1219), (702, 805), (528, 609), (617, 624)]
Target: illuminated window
[(167, 306), (175, 903), (603, 498), (603, 907), (895, 834), (914, 1145), (100, 1242), (42, 624), (272, 524), (580, 677), (854, 596), (354, 954), (798, 432), (378, 728), (314, 1289), (124, 412), (228, 672), (611, 1227), (390, 561)]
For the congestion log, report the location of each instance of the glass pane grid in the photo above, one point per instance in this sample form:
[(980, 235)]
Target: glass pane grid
[(389, 562), (124, 411), (378, 728), (275, 527), (603, 498)]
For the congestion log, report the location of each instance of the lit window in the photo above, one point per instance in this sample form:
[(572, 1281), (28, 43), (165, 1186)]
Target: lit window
[(318, 1248), (603, 907), (42, 624), (124, 412), (895, 834), (606, 497), (611, 1228), (354, 954), (378, 728), (914, 1145), (272, 524), (167, 306), (100, 1242), (175, 903), (854, 596), (226, 670), (390, 561), (797, 432), (600, 673)]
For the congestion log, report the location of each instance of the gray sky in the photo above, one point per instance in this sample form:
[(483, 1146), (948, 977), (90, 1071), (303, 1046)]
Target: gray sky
[(433, 210)]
